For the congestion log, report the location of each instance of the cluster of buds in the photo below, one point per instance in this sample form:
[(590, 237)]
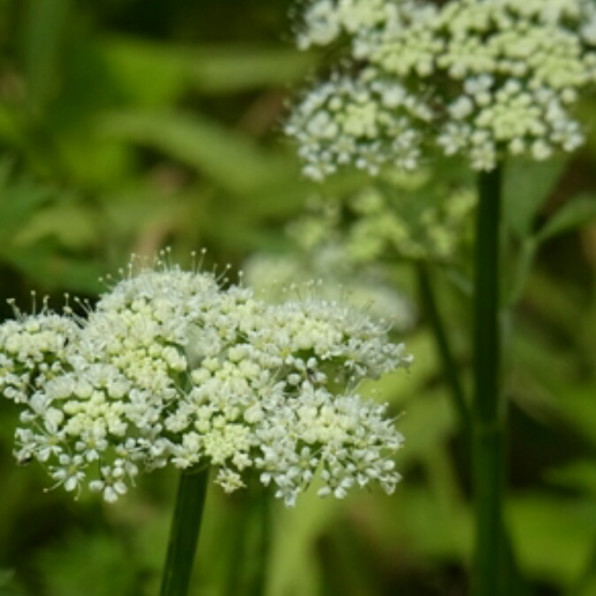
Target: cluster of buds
[(170, 368), (478, 78)]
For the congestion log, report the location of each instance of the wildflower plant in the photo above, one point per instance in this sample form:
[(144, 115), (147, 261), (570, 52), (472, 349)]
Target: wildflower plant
[(482, 79), (172, 369), (485, 81)]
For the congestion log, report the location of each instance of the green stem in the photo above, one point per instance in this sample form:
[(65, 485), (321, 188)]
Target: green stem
[(184, 532), (512, 581), (431, 311), (488, 410)]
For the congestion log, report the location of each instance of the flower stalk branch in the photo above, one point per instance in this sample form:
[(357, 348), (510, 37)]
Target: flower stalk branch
[(444, 351)]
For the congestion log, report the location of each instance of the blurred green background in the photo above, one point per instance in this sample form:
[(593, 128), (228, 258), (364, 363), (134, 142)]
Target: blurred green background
[(129, 125)]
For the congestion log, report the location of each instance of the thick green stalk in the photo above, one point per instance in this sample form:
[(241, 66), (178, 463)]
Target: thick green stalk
[(184, 532), (512, 582), (449, 366), (488, 409)]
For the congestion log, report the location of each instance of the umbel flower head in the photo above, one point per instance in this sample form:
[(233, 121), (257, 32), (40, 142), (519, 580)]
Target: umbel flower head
[(337, 279), (412, 216), (169, 368), (478, 78)]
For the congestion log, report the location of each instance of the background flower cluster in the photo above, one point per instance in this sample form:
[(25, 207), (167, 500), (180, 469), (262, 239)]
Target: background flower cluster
[(478, 78)]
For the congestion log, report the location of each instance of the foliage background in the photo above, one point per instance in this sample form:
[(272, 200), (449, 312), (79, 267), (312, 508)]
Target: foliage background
[(127, 125)]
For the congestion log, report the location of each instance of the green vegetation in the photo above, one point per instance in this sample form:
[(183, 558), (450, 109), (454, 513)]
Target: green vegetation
[(129, 125)]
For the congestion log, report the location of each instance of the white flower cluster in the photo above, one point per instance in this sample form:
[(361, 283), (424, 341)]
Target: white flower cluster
[(410, 215), (410, 226), (480, 78), (169, 368), (337, 278), (317, 260)]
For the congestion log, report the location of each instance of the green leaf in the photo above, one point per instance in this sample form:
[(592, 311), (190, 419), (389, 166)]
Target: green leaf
[(155, 74), (146, 73), (71, 224), (577, 212), (230, 69), (576, 475), (95, 565), (43, 263), (527, 186), (588, 587), (579, 409), (228, 157), (19, 200), (11, 125), (552, 535), (44, 28), (6, 576)]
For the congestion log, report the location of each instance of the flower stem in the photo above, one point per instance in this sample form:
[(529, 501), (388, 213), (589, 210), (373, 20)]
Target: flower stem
[(184, 533), (488, 409), (431, 311)]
